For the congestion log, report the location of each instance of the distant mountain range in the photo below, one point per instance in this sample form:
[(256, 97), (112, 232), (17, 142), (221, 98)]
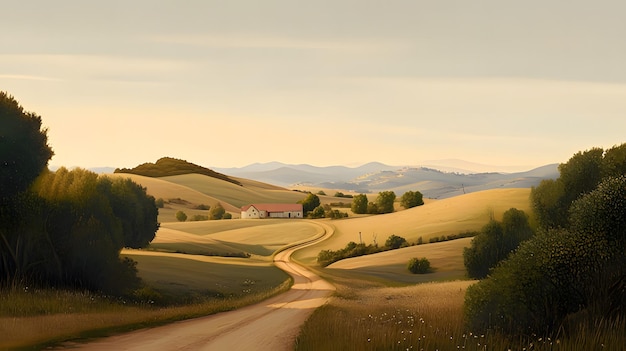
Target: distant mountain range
[(375, 177), (441, 179)]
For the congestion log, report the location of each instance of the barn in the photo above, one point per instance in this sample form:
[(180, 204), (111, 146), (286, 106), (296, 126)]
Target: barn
[(272, 211)]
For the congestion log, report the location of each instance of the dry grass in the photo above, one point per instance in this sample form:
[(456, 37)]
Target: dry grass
[(428, 317), (251, 192), (191, 286), (257, 237), (434, 219), (446, 259)]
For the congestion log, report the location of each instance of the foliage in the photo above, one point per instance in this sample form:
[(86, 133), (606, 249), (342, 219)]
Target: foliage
[(217, 212), (168, 166), (321, 192), (495, 242), (352, 249), (359, 204), (203, 207), (160, 203), (583, 172), (340, 194), (419, 265), (309, 203), (198, 217), (317, 212), (395, 242), (412, 199), (181, 216), (561, 272), (24, 150), (384, 201), (227, 216), (69, 230)]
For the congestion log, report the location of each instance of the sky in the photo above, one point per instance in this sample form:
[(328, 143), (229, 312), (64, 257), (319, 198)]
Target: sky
[(230, 83)]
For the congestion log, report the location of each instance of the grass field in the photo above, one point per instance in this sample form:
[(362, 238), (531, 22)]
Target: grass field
[(31, 319), (434, 219), (446, 259), (367, 316), (256, 237)]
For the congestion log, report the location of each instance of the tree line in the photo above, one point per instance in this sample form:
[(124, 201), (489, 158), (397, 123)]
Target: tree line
[(575, 264), (64, 228)]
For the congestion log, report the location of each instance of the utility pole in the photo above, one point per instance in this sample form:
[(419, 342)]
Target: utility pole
[(360, 239)]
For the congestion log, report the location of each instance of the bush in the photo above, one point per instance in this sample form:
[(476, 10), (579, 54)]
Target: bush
[(419, 265), (203, 207), (217, 212), (411, 199), (181, 216), (495, 242), (160, 203), (199, 218), (395, 242)]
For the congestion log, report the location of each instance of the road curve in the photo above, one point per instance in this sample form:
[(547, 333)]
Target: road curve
[(272, 324)]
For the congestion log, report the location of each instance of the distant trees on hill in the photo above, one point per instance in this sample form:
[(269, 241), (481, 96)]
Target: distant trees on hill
[(168, 166), (384, 203), (412, 199)]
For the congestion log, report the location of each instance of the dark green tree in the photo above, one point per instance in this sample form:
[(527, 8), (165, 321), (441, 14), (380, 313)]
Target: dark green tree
[(24, 150), (412, 199), (309, 203), (217, 212), (136, 209), (495, 242), (385, 201), (395, 242), (317, 212), (359, 204), (181, 216), (419, 265)]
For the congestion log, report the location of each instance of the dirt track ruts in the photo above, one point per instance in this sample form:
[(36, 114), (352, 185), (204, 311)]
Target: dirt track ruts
[(272, 324)]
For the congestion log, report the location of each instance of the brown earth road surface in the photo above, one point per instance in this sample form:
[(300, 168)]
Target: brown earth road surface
[(269, 325)]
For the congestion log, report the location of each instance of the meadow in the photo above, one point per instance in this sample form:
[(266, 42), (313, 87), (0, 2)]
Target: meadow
[(378, 304)]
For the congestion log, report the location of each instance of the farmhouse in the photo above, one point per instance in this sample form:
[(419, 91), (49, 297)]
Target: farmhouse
[(272, 211)]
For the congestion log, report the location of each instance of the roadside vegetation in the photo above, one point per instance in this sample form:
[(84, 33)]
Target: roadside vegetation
[(563, 288)]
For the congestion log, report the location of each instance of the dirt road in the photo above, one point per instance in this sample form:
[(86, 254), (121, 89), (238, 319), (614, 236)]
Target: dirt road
[(270, 325)]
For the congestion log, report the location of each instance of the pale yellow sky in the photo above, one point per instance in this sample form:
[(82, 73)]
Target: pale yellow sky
[(229, 83)]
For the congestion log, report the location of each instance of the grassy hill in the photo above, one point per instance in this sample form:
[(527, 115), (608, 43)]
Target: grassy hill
[(168, 166), (434, 219)]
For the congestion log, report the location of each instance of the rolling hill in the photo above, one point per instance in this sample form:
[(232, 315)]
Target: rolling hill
[(375, 177)]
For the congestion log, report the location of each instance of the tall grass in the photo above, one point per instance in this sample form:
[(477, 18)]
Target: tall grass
[(34, 319), (430, 317)]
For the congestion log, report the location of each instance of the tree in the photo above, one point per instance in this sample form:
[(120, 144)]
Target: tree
[(385, 201), (419, 265), (181, 216), (359, 204), (24, 150), (217, 212), (495, 242), (309, 203), (317, 212), (395, 242), (412, 199), (136, 209)]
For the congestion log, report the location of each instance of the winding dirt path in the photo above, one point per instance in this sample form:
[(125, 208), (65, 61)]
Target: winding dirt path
[(269, 325)]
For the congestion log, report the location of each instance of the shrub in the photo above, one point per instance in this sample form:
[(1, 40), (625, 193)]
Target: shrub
[(419, 265), (199, 218), (181, 216), (159, 203), (217, 212), (203, 207), (395, 242)]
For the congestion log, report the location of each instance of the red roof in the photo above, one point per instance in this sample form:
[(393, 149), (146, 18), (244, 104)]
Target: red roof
[(275, 207)]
